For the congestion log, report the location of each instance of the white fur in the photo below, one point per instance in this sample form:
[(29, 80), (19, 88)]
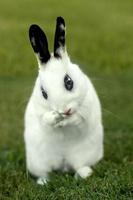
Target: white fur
[(54, 142)]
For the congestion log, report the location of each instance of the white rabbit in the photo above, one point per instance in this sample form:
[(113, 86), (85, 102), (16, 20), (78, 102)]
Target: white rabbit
[(63, 126)]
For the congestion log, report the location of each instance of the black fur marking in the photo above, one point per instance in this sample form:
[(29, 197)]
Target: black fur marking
[(39, 43), (59, 40)]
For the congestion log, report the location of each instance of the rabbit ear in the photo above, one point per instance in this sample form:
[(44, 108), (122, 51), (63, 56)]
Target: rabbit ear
[(59, 40), (39, 43)]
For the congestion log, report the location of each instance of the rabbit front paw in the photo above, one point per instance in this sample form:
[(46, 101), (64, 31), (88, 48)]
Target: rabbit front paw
[(61, 123), (52, 118), (70, 120)]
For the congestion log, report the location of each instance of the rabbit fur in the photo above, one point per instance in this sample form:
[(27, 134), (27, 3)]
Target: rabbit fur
[(63, 127)]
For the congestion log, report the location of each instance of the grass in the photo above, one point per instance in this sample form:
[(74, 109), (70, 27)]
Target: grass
[(99, 38)]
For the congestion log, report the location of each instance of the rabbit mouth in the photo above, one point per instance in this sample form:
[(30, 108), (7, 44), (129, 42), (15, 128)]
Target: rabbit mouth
[(68, 112)]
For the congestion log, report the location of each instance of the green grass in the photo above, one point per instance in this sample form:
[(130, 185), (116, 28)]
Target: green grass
[(100, 39)]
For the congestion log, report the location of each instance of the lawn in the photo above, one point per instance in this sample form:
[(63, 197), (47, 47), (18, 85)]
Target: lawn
[(100, 39)]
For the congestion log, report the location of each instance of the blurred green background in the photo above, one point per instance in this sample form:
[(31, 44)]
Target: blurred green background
[(100, 40), (99, 32)]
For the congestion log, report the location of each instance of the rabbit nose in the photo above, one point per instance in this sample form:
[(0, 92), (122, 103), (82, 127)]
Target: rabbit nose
[(67, 112)]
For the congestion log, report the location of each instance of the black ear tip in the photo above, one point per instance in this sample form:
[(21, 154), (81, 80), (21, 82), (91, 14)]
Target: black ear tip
[(33, 28), (60, 20)]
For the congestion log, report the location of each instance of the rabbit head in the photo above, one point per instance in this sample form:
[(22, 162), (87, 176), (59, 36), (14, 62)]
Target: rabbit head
[(62, 85)]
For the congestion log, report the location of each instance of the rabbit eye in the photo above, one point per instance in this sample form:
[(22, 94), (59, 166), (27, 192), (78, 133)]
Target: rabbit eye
[(68, 82), (44, 93)]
